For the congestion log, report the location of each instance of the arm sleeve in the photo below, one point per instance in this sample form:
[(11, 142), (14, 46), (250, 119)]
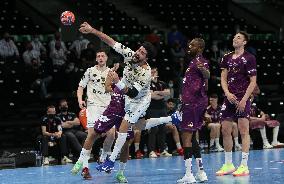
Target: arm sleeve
[(223, 63), (85, 79), (123, 50), (251, 66)]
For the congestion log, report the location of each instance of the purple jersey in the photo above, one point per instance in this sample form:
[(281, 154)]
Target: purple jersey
[(194, 84), (239, 71), (214, 113)]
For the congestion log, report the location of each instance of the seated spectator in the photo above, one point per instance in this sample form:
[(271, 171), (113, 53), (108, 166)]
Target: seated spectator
[(30, 54), (37, 45), (52, 134), (170, 128), (177, 51), (78, 45), (88, 56), (259, 120), (153, 38), (174, 35), (212, 119), (71, 128), (8, 48), (57, 38), (58, 56), (38, 76)]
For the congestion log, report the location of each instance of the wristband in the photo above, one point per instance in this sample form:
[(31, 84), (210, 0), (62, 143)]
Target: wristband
[(120, 85)]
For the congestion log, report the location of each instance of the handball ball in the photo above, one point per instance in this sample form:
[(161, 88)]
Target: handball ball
[(67, 18)]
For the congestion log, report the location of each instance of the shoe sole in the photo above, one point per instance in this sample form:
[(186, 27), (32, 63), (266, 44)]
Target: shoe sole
[(244, 174), (226, 173)]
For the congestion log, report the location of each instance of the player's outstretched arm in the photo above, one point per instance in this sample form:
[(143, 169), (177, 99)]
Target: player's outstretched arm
[(85, 28)]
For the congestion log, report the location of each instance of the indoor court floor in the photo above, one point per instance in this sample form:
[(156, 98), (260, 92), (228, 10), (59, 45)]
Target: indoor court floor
[(266, 167)]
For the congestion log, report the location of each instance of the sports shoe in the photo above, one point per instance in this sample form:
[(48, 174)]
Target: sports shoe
[(120, 178), (241, 171), (65, 160), (77, 167), (176, 118), (165, 154), (180, 152), (201, 176), (267, 146), (277, 144), (45, 161), (86, 174), (212, 149), (187, 179), (226, 169), (107, 166), (219, 148), (139, 155), (238, 147), (152, 154)]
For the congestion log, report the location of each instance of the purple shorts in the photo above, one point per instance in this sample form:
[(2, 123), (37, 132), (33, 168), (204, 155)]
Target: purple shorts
[(111, 117), (258, 124), (229, 111), (192, 117)]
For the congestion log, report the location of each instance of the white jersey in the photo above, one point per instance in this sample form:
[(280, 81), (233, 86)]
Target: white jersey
[(134, 75), (95, 79)]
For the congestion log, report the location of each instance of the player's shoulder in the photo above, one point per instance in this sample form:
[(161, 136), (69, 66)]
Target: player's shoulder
[(44, 118), (248, 55), (228, 54)]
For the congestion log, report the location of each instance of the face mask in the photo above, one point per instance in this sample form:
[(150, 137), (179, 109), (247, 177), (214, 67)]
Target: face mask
[(81, 38), (51, 116), (64, 109), (36, 39), (171, 85)]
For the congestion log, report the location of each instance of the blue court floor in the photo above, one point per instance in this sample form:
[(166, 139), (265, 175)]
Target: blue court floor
[(266, 166)]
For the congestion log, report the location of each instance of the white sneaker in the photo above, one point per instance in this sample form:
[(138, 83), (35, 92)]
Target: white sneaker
[(152, 154), (65, 160), (201, 176), (187, 179), (219, 148), (238, 147), (165, 154), (45, 161), (267, 146), (275, 144)]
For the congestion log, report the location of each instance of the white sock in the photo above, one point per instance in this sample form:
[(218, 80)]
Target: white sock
[(245, 158), (178, 145), (236, 139), (121, 166), (275, 134), (263, 135), (188, 167), (228, 157), (152, 122), (211, 142), (217, 143), (199, 164), (84, 157), (136, 145), (121, 138)]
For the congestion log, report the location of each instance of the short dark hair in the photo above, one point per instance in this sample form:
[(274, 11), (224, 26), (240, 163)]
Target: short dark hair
[(245, 34), (101, 50), (214, 95), (62, 100), (171, 100), (151, 51)]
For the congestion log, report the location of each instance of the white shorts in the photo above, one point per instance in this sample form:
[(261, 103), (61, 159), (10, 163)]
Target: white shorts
[(93, 114), (136, 108)]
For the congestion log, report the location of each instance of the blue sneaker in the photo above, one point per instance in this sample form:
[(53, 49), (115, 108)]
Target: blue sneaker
[(107, 166), (176, 118)]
